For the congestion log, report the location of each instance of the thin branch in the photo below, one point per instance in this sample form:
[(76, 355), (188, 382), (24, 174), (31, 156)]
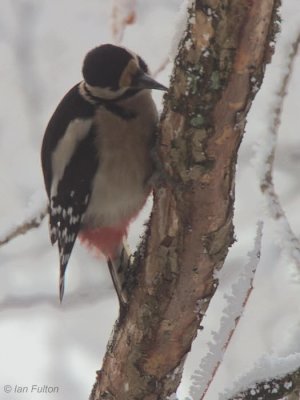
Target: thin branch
[(123, 13), (237, 302), (73, 301), (288, 238), (161, 67), (24, 227), (287, 387)]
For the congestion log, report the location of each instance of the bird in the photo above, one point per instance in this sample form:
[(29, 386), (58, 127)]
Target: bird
[(97, 158)]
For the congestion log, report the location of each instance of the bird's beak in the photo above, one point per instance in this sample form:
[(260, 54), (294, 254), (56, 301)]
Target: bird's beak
[(144, 81)]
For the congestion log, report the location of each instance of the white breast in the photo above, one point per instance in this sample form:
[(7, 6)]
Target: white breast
[(120, 185)]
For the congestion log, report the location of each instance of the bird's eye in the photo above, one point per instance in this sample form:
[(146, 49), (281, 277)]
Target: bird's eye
[(135, 78)]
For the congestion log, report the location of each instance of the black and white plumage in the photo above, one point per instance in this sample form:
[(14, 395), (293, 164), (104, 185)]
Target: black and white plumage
[(96, 156)]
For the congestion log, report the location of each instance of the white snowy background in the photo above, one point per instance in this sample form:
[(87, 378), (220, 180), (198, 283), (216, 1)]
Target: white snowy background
[(42, 44)]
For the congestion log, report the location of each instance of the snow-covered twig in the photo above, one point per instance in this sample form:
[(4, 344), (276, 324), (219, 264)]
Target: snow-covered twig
[(161, 67), (23, 228), (33, 218), (236, 302), (123, 14), (289, 241), (271, 378)]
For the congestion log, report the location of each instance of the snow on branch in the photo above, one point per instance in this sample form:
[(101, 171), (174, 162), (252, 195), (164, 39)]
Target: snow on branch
[(271, 378), (33, 217), (180, 27), (123, 14), (289, 242), (236, 303)]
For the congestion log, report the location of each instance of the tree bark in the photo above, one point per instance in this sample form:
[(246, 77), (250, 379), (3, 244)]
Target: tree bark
[(218, 69)]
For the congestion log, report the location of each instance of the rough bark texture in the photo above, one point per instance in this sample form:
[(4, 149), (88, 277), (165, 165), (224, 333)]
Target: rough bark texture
[(217, 72)]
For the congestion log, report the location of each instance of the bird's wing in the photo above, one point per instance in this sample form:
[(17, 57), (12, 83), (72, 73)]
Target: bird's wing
[(68, 170), (69, 204), (73, 107)]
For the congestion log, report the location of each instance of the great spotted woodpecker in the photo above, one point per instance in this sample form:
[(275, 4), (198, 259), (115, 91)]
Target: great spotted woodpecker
[(96, 157)]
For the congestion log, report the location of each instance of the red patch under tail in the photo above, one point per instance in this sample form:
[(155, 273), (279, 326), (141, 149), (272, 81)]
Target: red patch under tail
[(106, 240)]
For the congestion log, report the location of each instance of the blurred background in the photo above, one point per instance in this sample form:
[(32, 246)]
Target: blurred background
[(42, 45)]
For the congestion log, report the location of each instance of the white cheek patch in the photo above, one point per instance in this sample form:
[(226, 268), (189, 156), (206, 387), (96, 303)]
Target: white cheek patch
[(77, 130)]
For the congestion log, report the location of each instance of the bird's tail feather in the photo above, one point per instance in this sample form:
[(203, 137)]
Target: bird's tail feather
[(61, 287)]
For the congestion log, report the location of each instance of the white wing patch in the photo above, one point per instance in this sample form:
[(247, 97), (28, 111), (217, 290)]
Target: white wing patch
[(76, 132)]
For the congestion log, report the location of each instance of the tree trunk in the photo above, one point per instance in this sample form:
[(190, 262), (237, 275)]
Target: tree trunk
[(218, 70)]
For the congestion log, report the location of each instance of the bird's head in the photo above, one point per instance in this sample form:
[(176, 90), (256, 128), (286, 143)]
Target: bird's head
[(110, 71)]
